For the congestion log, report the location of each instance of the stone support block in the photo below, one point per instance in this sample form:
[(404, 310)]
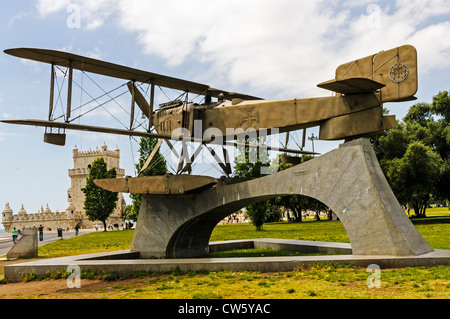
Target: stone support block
[(26, 246), (348, 180)]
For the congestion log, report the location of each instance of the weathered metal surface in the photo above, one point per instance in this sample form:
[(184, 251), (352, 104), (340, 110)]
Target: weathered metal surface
[(55, 138), (228, 120), (117, 71), (351, 86), (361, 86), (354, 124), (396, 68), (167, 184)]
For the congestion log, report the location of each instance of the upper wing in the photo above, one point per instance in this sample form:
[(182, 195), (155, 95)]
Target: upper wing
[(117, 71)]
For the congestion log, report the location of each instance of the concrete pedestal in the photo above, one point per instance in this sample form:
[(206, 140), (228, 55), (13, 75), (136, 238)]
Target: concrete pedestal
[(349, 180), (26, 246)]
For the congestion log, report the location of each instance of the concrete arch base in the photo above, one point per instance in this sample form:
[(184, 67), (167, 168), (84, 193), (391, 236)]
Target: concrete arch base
[(349, 180)]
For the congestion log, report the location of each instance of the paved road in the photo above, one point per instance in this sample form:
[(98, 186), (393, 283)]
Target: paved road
[(6, 239)]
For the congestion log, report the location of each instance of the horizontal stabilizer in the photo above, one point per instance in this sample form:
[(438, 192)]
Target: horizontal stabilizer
[(352, 86)]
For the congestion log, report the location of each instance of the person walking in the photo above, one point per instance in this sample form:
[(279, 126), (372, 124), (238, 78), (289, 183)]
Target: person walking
[(41, 233), (76, 229), (14, 235)]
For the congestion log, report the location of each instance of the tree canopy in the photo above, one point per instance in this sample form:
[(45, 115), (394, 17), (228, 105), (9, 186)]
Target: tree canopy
[(99, 203), (156, 167), (415, 156), (298, 204), (248, 163)]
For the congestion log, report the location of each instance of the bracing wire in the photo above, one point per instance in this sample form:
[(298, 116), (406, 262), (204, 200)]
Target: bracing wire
[(106, 92), (58, 99), (81, 93), (132, 156), (101, 105), (113, 98)]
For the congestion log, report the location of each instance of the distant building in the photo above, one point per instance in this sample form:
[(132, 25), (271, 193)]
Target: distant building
[(74, 214)]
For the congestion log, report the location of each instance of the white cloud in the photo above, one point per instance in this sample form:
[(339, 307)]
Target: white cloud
[(95, 53), (5, 136), (33, 66), (15, 18), (51, 6), (91, 14), (275, 46), (431, 43), (284, 45)]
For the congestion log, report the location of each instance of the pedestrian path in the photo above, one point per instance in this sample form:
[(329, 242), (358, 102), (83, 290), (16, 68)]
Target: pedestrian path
[(6, 239)]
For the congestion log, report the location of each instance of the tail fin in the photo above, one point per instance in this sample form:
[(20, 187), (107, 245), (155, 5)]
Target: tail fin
[(394, 70)]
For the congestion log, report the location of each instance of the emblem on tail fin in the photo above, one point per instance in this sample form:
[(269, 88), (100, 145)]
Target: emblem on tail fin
[(398, 72)]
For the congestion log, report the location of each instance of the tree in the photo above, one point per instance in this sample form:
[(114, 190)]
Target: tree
[(248, 164), (443, 182), (99, 203), (257, 213), (274, 213), (415, 156), (294, 203), (128, 213), (298, 204), (414, 176), (419, 113), (156, 167), (441, 132), (441, 105)]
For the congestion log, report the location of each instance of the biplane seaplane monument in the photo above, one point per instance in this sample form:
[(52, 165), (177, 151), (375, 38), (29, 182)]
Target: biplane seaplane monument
[(178, 212)]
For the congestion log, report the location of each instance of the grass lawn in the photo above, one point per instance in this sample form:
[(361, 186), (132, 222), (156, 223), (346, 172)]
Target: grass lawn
[(329, 281), (438, 211), (308, 230), (89, 243), (434, 229)]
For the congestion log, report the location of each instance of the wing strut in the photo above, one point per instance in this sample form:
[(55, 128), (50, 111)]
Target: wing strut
[(226, 167), (69, 92), (150, 108), (133, 99), (184, 158), (52, 90), (139, 99), (52, 135), (188, 166), (149, 159)]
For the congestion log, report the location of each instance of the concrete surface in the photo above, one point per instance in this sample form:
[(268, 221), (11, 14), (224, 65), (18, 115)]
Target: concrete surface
[(26, 246), (349, 180), (300, 246), (125, 262)]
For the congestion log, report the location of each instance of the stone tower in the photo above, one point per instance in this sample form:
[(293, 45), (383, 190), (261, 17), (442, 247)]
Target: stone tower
[(82, 163), (74, 213)]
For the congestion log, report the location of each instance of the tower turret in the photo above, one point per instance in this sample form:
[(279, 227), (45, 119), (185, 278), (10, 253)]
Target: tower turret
[(7, 217), (7, 213)]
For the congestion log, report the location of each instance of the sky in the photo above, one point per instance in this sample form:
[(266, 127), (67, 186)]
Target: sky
[(268, 48)]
